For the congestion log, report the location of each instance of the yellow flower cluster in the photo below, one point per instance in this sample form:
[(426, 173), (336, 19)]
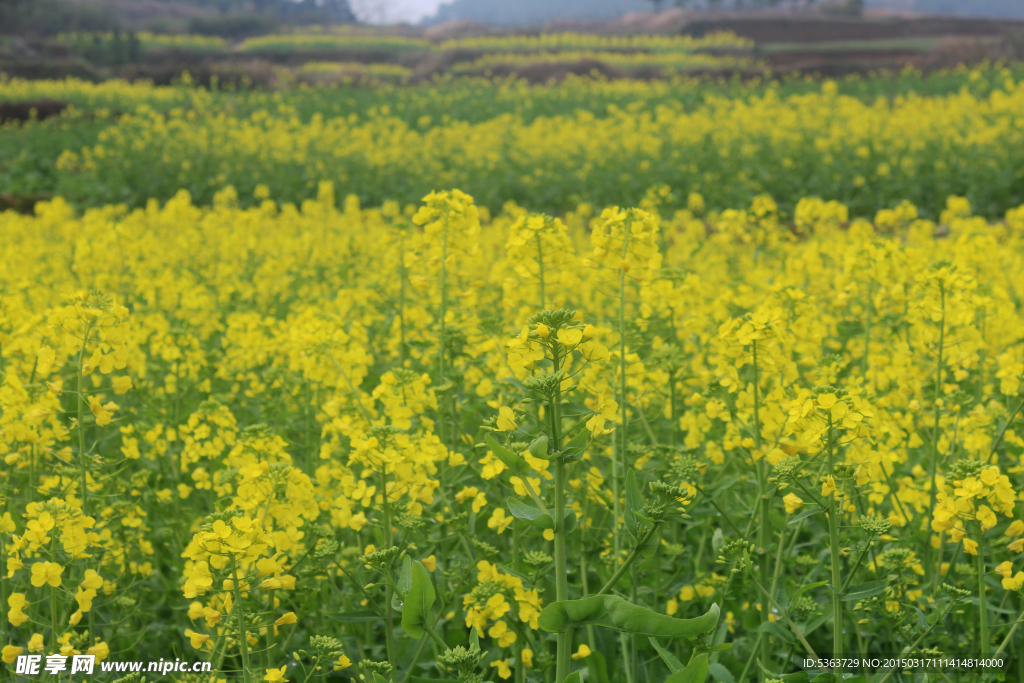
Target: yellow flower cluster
[(269, 429), (543, 148), (974, 498)]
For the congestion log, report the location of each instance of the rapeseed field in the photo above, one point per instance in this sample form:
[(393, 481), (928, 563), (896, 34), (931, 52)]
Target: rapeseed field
[(698, 390)]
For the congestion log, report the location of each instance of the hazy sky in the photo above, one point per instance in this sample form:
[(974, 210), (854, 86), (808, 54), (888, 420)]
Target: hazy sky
[(391, 11)]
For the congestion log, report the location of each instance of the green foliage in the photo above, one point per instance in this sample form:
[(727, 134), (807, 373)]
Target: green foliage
[(233, 25), (617, 614), (416, 616), (694, 672), (29, 154), (404, 584), (512, 460), (108, 49), (673, 663), (538, 519), (50, 17)]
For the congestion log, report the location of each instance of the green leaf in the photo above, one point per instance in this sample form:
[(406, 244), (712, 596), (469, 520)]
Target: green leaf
[(598, 667), (991, 607), (574, 677), (674, 664), (617, 614), (574, 450), (377, 678), (824, 678), (720, 648), (536, 518), (511, 460), (720, 673), (864, 590), (722, 484), (570, 520), (819, 622), (814, 509), (695, 672), (803, 589), (773, 629), (539, 447), (416, 612), (634, 502), (717, 541), (651, 544), (521, 510), (355, 617), (798, 677), (404, 583)]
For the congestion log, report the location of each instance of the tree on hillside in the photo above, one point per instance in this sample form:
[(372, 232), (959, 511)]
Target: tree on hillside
[(47, 17), (282, 8)]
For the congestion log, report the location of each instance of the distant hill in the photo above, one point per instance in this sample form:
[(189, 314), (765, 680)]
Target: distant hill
[(532, 12), (228, 18), (535, 12), (961, 8)]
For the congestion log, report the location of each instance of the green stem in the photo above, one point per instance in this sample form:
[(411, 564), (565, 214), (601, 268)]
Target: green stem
[(764, 529), (401, 303), (619, 452), (586, 587), (564, 651), (934, 455), (750, 660), (921, 637), (1002, 432), (867, 331), (785, 615), (444, 313), (536, 497), (856, 566), (672, 411), (81, 422), (720, 511), (620, 461), (564, 646), (629, 561), (517, 547), (434, 636), (633, 658), (833, 536), (778, 561), (32, 474), (1009, 635), (981, 359), (270, 631), (389, 615), (369, 598), (53, 613), (243, 643), (3, 595), (540, 267), (817, 501), (415, 658), (312, 669), (986, 645)]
